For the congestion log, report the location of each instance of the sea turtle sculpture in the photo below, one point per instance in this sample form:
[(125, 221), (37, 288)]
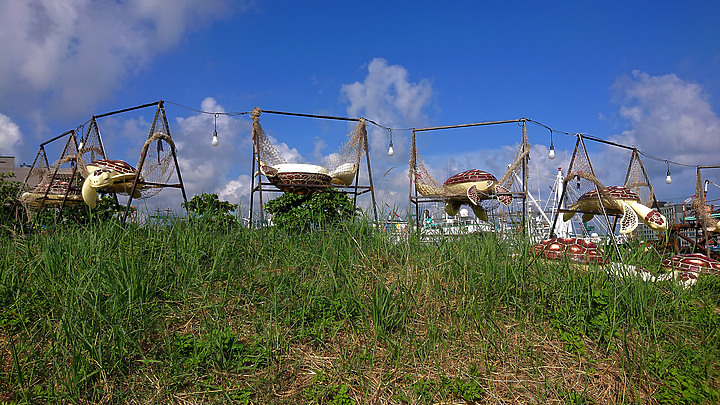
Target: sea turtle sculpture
[(53, 194), (577, 250), (114, 176), (617, 200), (294, 177), (687, 267), (471, 187)]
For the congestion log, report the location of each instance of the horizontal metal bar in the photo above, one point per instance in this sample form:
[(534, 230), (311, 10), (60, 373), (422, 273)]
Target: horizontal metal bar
[(477, 124), (57, 137), (128, 109), (310, 115)]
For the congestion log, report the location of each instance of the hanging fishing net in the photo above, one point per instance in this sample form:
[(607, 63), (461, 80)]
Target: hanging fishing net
[(701, 209), (340, 168), (471, 187), (52, 185), (157, 158), (637, 180), (630, 202)]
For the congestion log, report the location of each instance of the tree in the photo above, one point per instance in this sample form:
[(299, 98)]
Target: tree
[(210, 208), (302, 213)]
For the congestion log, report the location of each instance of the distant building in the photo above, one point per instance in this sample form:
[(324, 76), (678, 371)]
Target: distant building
[(7, 165)]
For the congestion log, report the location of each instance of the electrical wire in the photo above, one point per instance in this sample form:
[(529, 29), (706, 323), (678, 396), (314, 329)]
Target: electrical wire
[(390, 129)]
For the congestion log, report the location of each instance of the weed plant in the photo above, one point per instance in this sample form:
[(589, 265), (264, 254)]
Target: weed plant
[(196, 313)]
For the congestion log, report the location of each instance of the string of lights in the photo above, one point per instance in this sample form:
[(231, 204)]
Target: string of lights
[(390, 130)]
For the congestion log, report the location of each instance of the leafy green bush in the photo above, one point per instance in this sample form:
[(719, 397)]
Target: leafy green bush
[(302, 213), (210, 208), (8, 195)]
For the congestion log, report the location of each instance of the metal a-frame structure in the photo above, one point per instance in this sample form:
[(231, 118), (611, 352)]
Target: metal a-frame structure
[(260, 186), (416, 169), (61, 179), (581, 170)]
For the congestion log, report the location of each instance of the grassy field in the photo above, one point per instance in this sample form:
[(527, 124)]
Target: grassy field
[(189, 314)]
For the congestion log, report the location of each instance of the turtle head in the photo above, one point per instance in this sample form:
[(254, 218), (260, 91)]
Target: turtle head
[(97, 179), (100, 178)]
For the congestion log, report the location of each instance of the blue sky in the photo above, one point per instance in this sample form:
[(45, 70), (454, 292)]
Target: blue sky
[(639, 73)]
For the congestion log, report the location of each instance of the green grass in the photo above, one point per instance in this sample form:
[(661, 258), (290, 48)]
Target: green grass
[(191, 314)]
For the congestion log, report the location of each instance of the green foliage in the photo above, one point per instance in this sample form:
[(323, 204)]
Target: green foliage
[(8, 196), (219, 348), (388, 310), (323, 393), (210, 208), (104, 313), (683, 382), (302, 213)]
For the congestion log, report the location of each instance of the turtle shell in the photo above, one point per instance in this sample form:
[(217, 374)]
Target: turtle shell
[(577, 250), (56, 193), (469, 176), (293, 178), (689, 266), (615, 192), (119, 166)]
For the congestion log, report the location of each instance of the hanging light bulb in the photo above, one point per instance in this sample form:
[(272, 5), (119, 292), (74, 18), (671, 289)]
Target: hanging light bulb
[(551, 155), (668, 179), (215, 138), (391, 151)]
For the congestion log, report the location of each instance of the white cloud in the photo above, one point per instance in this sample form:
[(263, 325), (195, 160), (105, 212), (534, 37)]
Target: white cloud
[(73, 53), (10, 136), (387, 96), (207, 169), (237, 191), (670, 118)]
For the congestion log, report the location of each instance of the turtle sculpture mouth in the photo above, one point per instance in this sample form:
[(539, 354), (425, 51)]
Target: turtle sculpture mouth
[(297, 178)]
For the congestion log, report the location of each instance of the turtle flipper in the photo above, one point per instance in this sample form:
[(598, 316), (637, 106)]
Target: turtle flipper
[(503, 195), (629, 220), (474, 195), (479, 212), (652, 218), (568, 215), (452, 208), (89, 194)]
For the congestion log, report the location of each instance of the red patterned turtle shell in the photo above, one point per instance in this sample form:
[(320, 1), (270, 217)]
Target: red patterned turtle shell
[(57, 187), (577, 250), (691, 265), (616, 192), (119, 166), (468, 176), (296, 182)]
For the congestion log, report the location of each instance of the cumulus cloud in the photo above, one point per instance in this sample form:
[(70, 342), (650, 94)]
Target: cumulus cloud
[(73, 53), (672, 119), (388, 96), (669, 117), (10, 136), (207, 169)]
